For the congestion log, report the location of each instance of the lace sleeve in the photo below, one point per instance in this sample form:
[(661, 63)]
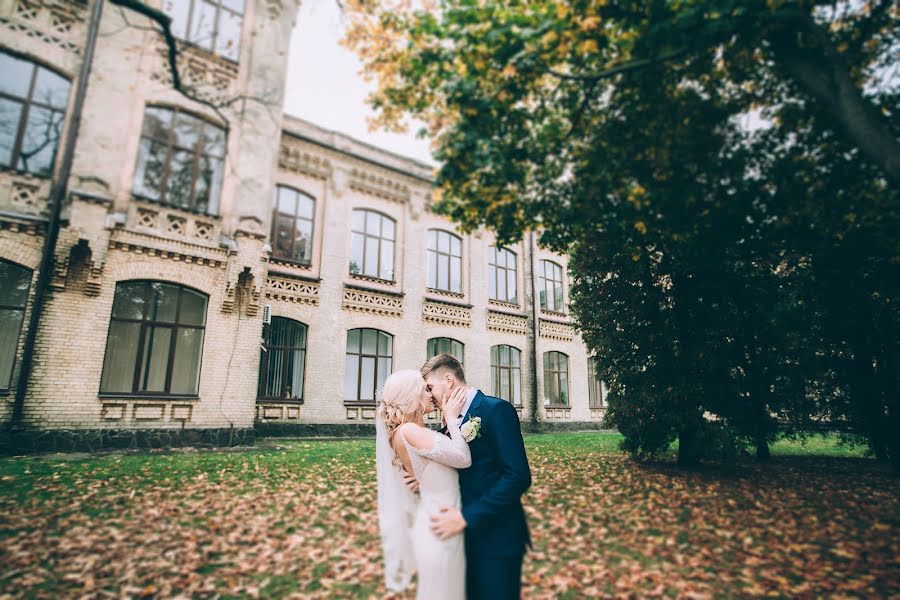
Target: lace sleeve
[(453, 452)]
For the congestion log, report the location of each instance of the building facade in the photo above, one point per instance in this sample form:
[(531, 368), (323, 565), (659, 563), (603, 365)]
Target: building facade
[(222, 268)]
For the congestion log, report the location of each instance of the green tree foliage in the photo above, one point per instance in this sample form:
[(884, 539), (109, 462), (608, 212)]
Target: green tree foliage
[(723, 176)]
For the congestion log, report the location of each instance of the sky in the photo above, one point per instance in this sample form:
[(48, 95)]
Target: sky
[(324, 84)]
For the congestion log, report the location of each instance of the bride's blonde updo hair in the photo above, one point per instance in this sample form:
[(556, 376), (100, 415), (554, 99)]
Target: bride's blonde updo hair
[(401, 399)]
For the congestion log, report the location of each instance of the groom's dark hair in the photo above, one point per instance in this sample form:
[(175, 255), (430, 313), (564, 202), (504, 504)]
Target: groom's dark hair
[(444, 361)]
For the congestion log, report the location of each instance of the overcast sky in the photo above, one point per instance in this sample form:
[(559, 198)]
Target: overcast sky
[(324, 85)]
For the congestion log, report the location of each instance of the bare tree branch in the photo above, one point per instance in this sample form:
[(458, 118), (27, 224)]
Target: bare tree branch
[(626, 67)]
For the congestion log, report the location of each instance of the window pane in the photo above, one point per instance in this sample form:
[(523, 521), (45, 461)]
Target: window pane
[(10, 327), (432, 239), (517, 386), (432, 269), (554, 389), (492, 282), (164, 303), (286, 201), (235, 5), (129, 300), (353, 340), (387, 228), (387, 261), (51, 89), (121, 356), (359, 220), (373, 223), (179, 11), (214, 140), (492, 255), (384, 369), (296, 361), (455, 275), (305, 206), (501, 284), (444, 272), (14, 282), (180, 178), (431, 347), (186, 367), (187, 131), (351, 377), (385, 344), (193, 308), (563, 388), (443, 242), (17, 75), (283, 238), (203, 25), (356, 253), (367, 379), (511, 286), (559, 297), (10, 115), (156, 359), (275, 373), (302, 246), (495, 381), (148, 176), (228, 42), (370, 267), (456, 349), (504, 384), (455, 246), (39, 142), (516, 357), (504, 356), (369, 341)]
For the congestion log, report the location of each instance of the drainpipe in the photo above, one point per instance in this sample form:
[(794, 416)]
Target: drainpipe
[(535, 331), (58, 191)]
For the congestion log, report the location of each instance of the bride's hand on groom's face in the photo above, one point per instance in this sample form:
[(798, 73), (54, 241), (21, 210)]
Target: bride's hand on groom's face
[(453, 405)]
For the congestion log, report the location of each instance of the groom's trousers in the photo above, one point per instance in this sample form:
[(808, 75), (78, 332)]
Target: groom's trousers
[(494, 578)]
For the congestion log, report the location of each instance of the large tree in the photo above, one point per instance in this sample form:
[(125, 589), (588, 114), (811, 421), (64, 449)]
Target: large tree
[(700, 162)]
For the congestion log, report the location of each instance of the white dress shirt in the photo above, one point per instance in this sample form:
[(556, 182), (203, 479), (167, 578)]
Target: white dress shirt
[(470, 395)]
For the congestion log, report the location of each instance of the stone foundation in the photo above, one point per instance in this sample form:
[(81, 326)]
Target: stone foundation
[(90, 440)]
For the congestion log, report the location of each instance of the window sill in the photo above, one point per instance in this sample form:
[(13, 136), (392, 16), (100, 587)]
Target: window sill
[(557, 406), (448, 293), (553, 313), (163, 204), (21, 173), (355, 403), (297, 401), (149, 397), (371, 279), (377, 290), (276, 260)]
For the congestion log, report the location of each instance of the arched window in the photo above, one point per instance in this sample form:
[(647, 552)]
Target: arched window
[(444, 261), (502, 276), (372, 245), (214, 25), (596, 389), (15, 282), (292, 225), (155, 340), (180, 160), (282, 364), (369, 359), (506, 373), (551, 286), (556, 379), (444, 345), (33, 103)]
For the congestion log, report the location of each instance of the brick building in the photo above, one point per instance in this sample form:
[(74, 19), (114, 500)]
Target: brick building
[(222, 266)]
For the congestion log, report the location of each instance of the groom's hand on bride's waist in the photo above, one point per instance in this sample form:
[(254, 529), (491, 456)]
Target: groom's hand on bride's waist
[(448, 522), (411, 482)]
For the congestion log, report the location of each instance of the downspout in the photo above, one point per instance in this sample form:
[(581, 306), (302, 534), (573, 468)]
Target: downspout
[(535, 331), (58, 191)]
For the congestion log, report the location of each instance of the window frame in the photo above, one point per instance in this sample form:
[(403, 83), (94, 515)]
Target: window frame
[(288, 355), (214, 205), (493, 263), (596, 397), (294, 218), (6, 389), (548, 287), (438, 254), (365, 235), (436, 340), (550, 373), (27, 103), (497, 373), (359, 358), (145, 325)]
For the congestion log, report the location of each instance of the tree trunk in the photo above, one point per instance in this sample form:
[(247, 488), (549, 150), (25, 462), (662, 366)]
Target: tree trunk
[(762, 448), (809, 58), (688, 451)]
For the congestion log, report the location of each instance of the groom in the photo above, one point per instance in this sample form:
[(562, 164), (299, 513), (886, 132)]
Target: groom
[(492, 515)]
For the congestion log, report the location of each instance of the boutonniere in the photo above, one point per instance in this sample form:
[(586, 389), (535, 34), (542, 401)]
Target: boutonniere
[(471, 429)]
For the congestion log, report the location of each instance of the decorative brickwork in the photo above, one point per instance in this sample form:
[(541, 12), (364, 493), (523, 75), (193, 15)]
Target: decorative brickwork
[(507, 323), (372, 302), (292, 290), (557, 331), (442, 313), (378, 185), (55, 23)]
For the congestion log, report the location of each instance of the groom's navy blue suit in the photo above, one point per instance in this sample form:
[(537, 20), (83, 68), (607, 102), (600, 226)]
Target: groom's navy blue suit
[(496, 531)]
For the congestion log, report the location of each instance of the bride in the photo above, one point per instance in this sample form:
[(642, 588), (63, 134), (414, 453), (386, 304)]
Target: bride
[(403, 441)]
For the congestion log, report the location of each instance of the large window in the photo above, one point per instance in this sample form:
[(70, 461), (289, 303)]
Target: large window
[(14, 284), (180, 160), (282, 364), (292, 225), (372, 245), (444, 261), (443, 345), (596, 396), (556, 379), (214, 25), (502, 275), (155, 340), (368, 363), (551, 286), (506, 373), (32, 111)]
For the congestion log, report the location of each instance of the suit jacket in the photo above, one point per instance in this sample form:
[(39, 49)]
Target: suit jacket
[(493, 486)]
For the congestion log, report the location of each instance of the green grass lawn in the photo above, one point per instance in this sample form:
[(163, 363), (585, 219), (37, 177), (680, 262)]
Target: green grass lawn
[(298, 517)]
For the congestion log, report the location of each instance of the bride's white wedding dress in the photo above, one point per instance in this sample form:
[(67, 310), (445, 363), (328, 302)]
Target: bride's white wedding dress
[(441, 564)]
